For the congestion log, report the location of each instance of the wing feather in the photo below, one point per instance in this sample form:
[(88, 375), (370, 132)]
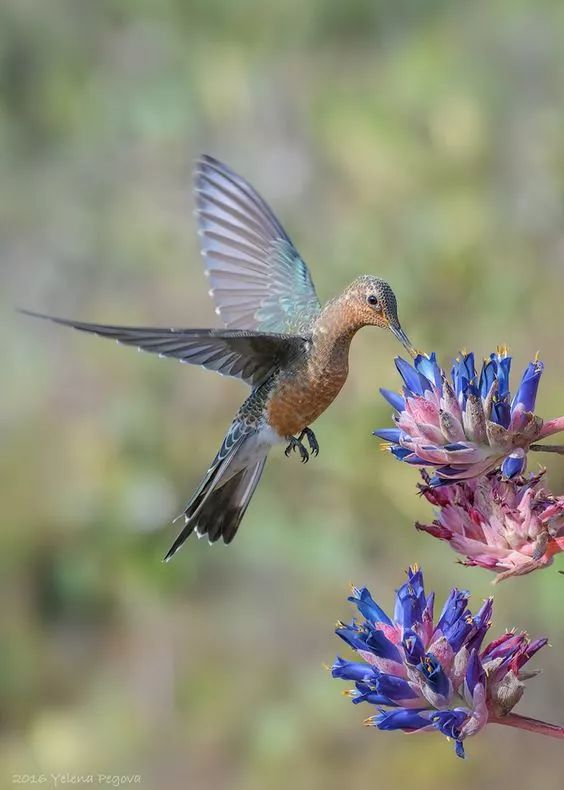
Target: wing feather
[(250, 356), (258, 279)]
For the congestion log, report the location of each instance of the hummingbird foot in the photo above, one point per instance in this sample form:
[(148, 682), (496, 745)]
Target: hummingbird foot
[(295, 444), (312, 441)]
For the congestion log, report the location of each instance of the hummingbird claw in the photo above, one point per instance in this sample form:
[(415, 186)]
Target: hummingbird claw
[(295, 444), (312, 441)]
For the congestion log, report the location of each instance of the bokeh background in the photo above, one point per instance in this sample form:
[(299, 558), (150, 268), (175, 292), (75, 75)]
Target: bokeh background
[(423, 142)]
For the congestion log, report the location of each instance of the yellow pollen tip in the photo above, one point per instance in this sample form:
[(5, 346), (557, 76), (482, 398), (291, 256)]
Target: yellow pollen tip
[(537, 355), (368, 722), (326, 666), (385, 447)]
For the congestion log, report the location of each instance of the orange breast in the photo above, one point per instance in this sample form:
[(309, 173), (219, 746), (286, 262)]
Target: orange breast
[(299, 399)]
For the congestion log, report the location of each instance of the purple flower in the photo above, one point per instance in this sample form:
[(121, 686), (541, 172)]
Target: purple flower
[(511, 527), (426, 676), (469, 426)]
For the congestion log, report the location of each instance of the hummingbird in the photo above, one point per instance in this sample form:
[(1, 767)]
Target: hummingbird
[(278, 339)]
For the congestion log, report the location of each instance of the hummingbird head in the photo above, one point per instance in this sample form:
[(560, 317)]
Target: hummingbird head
[(374, 304)]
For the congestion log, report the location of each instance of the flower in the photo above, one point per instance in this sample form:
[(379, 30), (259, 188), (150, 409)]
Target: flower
[(508, 526), (470, 427), (425, 676)]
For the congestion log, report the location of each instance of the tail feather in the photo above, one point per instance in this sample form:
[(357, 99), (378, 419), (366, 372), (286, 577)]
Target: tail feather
[(217, 507), (241, 499)]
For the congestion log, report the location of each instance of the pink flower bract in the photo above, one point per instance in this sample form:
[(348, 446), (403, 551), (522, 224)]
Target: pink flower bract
[(510, 526)]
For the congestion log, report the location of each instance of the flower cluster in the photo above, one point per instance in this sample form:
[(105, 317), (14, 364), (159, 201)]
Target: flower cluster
[(476, 437), (509, 526), (436, 676), (468, 427), (424, 674)]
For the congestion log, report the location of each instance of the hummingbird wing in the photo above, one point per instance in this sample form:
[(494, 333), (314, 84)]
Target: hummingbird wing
[(250, 356), (258, 278)]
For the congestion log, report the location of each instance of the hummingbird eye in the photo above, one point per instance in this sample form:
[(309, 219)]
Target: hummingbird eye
[(373, 300)]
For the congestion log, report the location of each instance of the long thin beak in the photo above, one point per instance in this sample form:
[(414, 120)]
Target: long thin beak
[(398, 332)]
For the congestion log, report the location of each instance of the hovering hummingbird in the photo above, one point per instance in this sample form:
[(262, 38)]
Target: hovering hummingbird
[(277, 338)]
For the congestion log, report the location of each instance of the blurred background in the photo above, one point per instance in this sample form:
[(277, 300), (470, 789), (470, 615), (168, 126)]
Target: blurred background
[(423, 142)]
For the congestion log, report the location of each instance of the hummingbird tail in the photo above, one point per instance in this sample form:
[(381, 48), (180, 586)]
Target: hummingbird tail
[(219, 504)]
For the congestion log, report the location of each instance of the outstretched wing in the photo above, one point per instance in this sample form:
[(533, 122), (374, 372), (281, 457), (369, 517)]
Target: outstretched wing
[(258, 279), (250, 356)]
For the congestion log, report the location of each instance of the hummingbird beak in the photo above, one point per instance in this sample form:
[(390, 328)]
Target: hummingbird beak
[(398, 332)]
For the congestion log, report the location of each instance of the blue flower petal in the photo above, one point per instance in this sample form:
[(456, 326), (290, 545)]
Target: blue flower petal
[(407, 611), (388, 434), (394, 688), (368, 607), (451, 474), (450, 722), (429, 608), (504, 368), (371, 697), (381, 646), (352, 670), (400, 453), (472, 389), (457, 633), (410, 601), (352, 636), (427, 367), (488, 375), (513, 465), (395, 400), (435, 482), (364, 692), (482, 622), (454, 610), (501, 413), (414, 381), (463, 372), (474, 672), (403, 454), (435, 677), (496, 368), (412, 647), (415, 579), (469, 366), (526, 395), (402, 719)]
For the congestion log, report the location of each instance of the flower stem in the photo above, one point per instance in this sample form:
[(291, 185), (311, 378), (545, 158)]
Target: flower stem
[(532, 725), (552, 426), (548, 448)]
